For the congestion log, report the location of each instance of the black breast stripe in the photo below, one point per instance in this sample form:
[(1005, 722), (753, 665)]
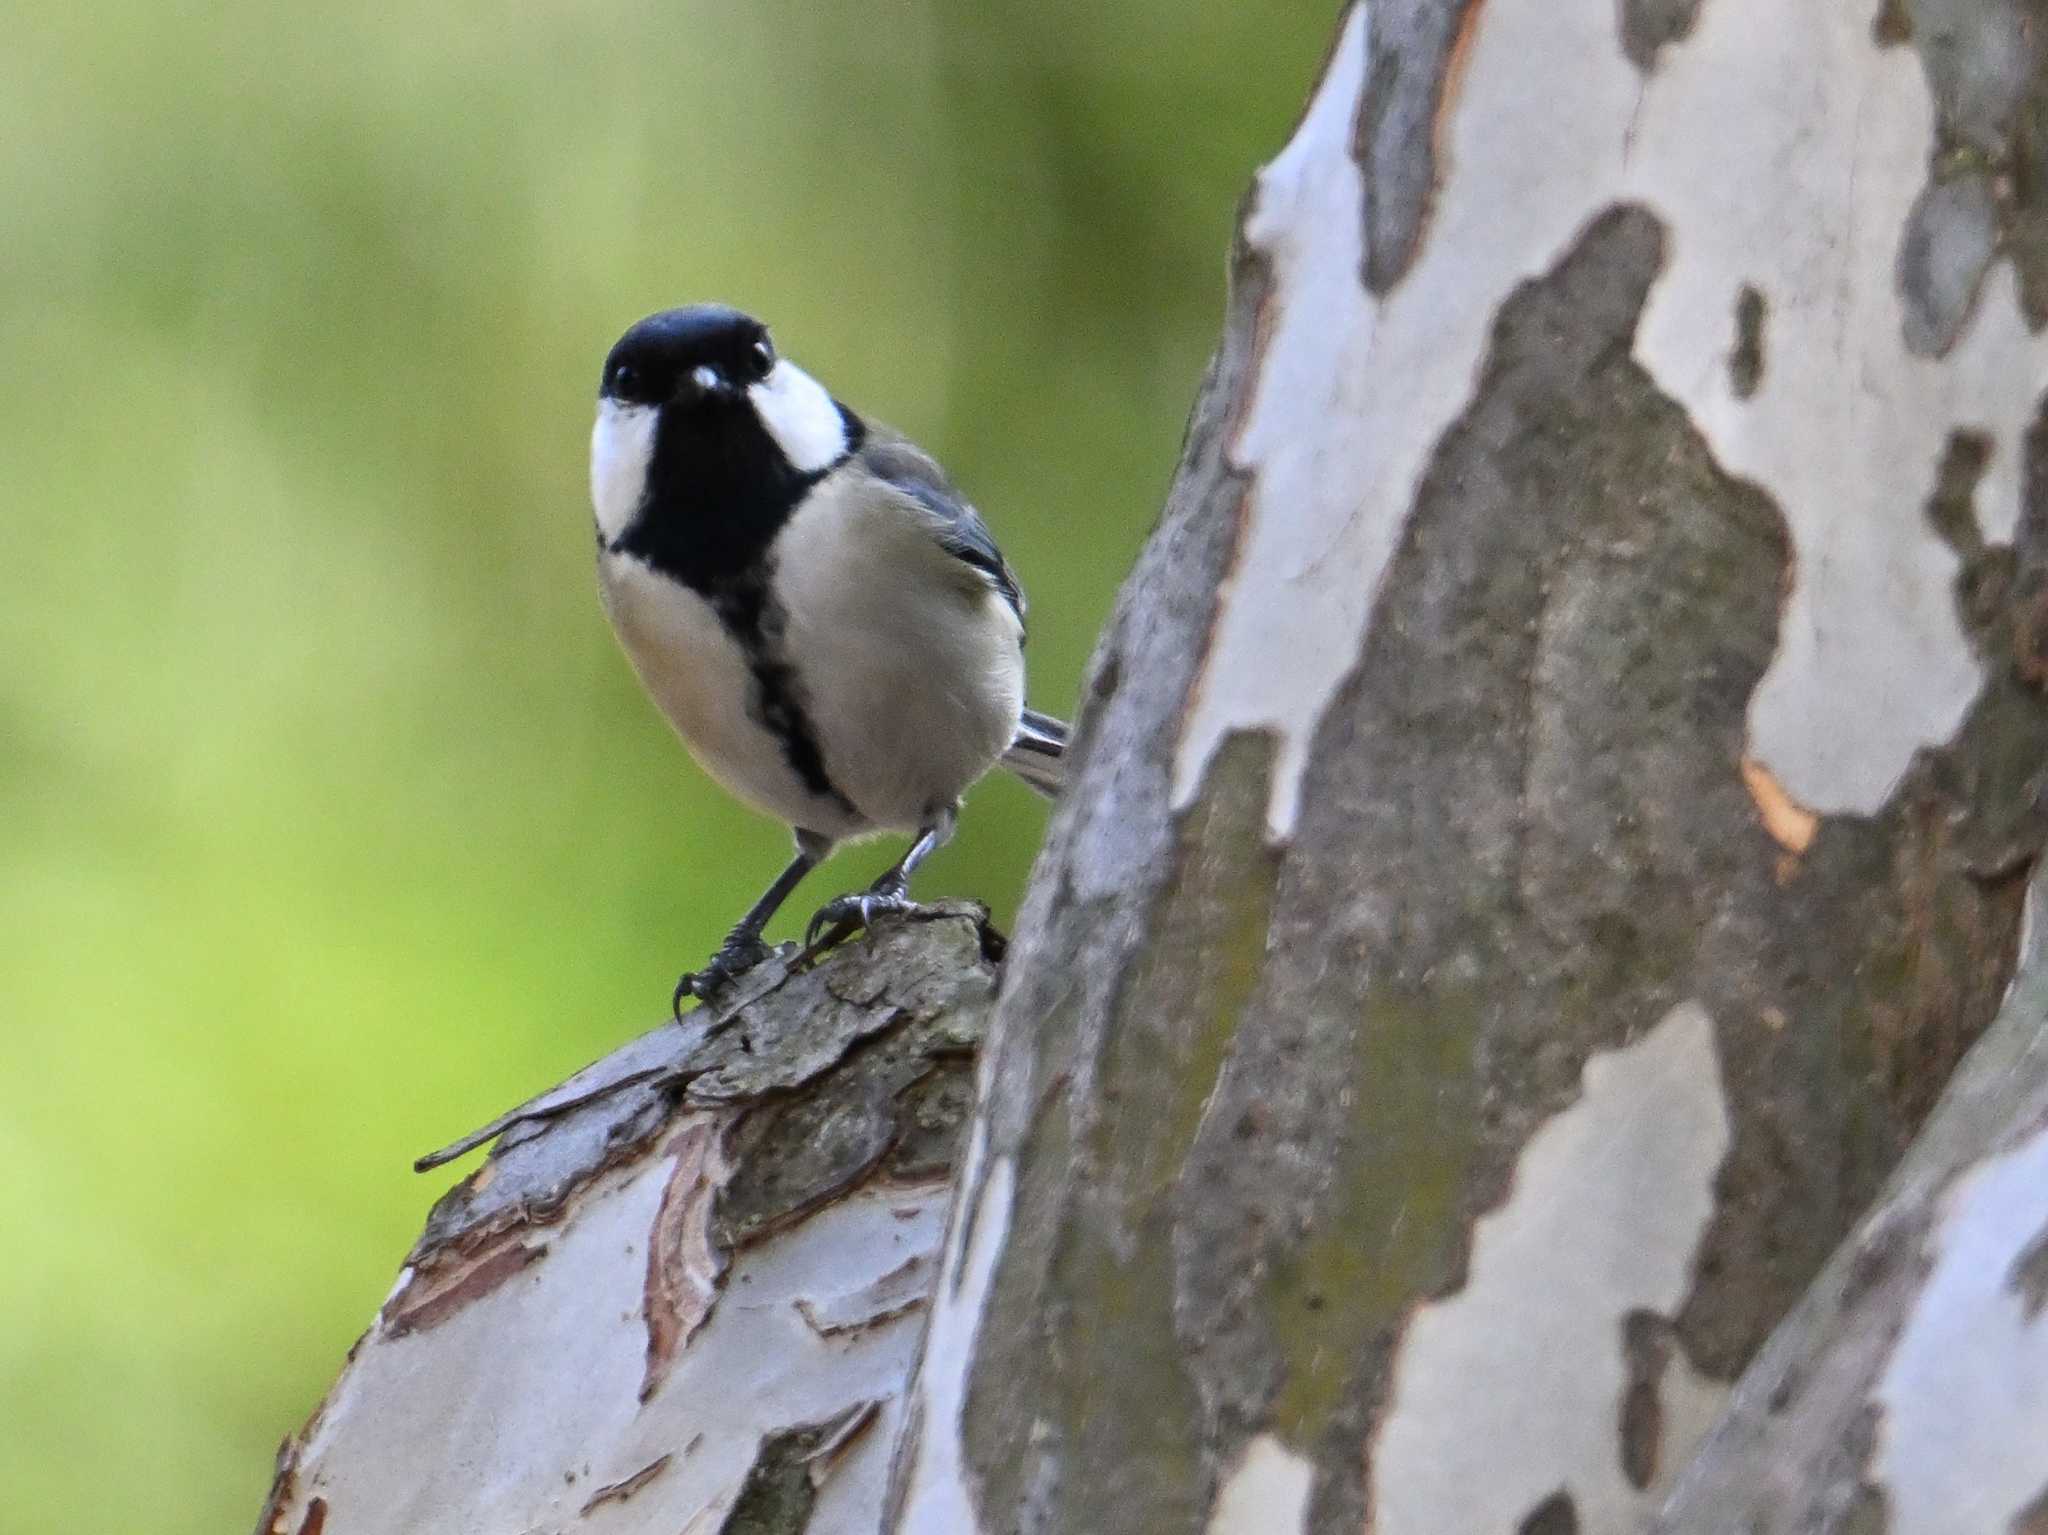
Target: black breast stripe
[(755, 622), (715, 502)]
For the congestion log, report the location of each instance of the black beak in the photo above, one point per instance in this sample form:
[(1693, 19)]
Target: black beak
[(707, 383)]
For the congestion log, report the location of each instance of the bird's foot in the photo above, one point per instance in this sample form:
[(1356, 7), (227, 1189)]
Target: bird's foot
[(843, 916), (733, 960)]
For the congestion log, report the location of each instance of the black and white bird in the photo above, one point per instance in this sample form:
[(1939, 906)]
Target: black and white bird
[(822, 617)]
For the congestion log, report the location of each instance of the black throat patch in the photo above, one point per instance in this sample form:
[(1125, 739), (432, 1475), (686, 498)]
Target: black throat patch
[(719, 492)]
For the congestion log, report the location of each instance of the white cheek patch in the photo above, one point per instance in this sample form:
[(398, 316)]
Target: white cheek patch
[(802, 418), (621, 447)]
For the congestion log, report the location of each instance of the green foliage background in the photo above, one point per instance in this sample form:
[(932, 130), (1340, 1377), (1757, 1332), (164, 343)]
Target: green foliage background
[(330, 820)]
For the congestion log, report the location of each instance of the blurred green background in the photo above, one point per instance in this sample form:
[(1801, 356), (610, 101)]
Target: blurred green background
[(331, 822)]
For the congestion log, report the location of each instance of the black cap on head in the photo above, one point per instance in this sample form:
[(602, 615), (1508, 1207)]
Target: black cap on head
[(701, 353)]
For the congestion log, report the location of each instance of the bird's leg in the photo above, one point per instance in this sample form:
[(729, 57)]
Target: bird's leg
[(889, 894), (743, 949)]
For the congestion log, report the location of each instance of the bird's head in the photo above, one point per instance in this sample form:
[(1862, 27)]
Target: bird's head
[(697, 398)]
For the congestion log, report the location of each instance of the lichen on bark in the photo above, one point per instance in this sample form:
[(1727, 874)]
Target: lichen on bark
[(1524, 836)]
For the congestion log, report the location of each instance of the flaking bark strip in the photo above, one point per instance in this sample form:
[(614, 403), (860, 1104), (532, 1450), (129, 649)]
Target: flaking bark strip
[(441, 1290), (619, 1491), (684, 1264), (1114, 852), (904, 1288), (830, 1088), (531, 1174)]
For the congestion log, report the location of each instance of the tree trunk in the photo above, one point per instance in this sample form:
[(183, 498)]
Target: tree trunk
[(1555, 803), (1557, 796)]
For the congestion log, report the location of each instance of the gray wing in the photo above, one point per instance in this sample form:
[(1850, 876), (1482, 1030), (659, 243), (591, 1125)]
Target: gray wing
[(961, 532)]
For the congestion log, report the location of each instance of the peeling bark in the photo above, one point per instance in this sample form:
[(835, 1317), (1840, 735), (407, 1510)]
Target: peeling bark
[(1554, 804), (1913, 1376), (689, 1303)]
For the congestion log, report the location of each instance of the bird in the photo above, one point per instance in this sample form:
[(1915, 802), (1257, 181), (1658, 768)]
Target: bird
[(826, 622)]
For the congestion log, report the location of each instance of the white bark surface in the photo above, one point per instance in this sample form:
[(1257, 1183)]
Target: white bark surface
[(1783, 151), (1549, 1269), (604, 1331)]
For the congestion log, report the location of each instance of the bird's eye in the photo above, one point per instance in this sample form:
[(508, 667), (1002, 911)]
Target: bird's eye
[(764, 356), (623, 380)]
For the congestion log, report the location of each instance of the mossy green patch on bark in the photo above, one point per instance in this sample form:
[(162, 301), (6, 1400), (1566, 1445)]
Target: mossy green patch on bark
[(1390, 1227), (1125, 1414)]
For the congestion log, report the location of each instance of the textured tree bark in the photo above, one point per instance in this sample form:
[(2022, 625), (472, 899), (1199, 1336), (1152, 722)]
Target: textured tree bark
[(1557, 796), (1908, 1392), (683, 1293), (1556, 801)]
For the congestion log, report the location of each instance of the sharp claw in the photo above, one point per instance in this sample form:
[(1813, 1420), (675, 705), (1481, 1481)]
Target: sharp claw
[(850, 913), (817, 926), (723, 968)]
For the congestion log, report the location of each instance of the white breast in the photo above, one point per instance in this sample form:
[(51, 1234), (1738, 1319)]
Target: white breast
[(701, 682)]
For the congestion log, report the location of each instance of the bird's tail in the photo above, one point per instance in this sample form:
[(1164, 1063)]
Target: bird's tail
[(1039, 754)]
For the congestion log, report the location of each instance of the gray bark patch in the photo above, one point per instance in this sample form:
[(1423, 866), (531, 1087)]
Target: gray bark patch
[(781, 1486), (897, 1097), (1410, 47), (1986, 63), (1129, 1411), (2028, 1277), (1646, 1345), (1555, 1515), (1986, 574), (1647, 25), (1031, 1444), (2033, 1519), (1950, 238), (1867, 1513), (1746, 358), (1952, 507)]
